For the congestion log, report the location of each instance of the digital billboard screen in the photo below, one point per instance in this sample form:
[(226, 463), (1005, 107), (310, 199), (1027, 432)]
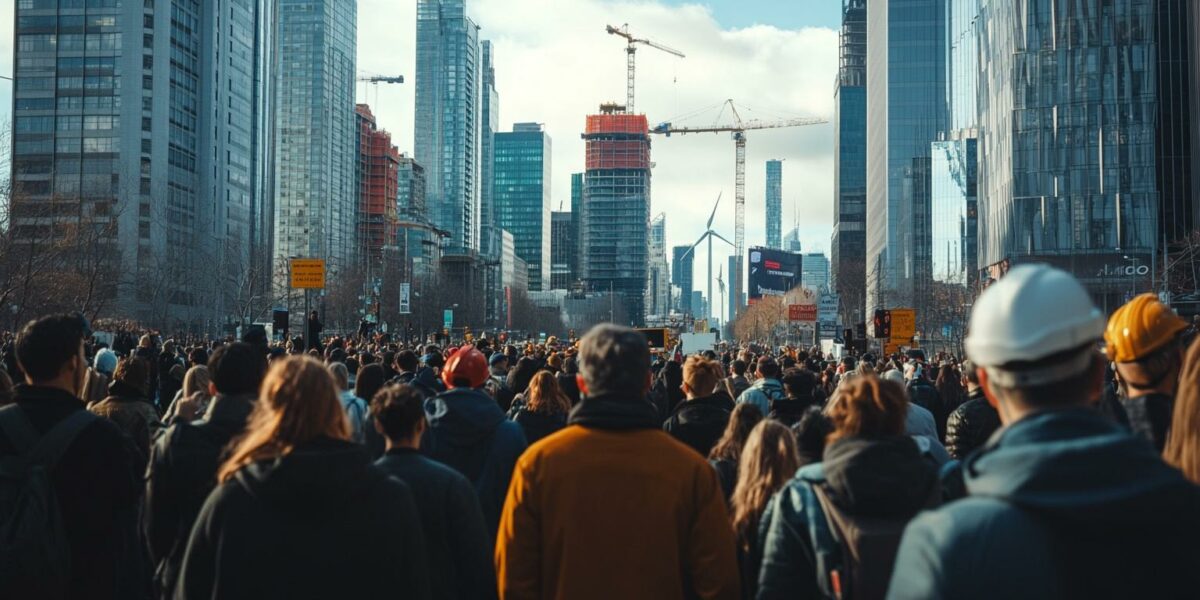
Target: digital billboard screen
[(772, 272)]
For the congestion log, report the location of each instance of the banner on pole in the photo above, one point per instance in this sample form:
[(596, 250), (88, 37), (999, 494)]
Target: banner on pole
[(406, 298)]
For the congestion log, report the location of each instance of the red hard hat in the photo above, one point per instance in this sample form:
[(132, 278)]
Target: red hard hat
[(467, 368)]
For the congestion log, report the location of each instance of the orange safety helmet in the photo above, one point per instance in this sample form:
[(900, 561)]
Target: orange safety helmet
[(466, 368), (1140, 327)]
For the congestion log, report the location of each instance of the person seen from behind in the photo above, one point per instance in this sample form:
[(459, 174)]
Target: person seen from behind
[(669, 540), (184, 460), (470, 434), (1065, 498), (355, 407), (768, 462), (1144, 341), (300, 511), (700, 420), (833, 529), (544, 409), (974, 421), (799, 385), (128, 404), (1183, 442), (92, 476), (766, 388), (727, 452), (457, 545)]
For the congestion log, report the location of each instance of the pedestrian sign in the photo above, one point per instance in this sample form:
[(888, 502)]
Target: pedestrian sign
[(308, 273)]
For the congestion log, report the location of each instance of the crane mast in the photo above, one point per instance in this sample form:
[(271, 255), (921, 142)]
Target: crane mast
[(631, 60), (738, 131)]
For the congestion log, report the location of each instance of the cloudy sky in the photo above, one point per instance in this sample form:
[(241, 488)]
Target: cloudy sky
[(555, 64)]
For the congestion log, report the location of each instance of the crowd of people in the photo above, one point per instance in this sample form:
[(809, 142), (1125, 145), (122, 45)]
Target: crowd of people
[(1058, 459)]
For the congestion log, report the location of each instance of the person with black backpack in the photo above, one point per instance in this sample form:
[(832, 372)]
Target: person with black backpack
[(69, 486), (832, 532)]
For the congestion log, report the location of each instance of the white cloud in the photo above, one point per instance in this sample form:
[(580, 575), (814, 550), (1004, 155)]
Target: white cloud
[(555, 64)]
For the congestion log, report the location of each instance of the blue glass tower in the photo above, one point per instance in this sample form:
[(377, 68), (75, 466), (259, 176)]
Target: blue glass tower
[(848, 248), (522, 196), (906, 110), (774, 204), (447, 123)]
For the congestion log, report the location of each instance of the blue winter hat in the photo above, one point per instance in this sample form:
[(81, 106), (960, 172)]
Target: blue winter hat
[(105, 361), (497, 358)]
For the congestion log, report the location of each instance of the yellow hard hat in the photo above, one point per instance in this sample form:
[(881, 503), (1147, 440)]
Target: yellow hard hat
[(1140, 327)]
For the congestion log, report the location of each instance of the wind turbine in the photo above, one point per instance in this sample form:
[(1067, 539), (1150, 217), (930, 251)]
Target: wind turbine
[(709, 234)]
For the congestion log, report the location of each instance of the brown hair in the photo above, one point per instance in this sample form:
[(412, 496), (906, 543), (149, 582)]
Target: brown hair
[(868, 406), (701, 375), (768, 461), (298, 403), (196, 380), (741, 422), (544, 395), (1182, 450), (134, 371)]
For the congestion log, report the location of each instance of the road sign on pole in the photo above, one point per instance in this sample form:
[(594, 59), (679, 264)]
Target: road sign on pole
[(308, 273), (448, 318), (406, 298)]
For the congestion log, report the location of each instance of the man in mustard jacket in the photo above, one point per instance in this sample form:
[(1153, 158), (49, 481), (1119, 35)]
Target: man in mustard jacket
[(612, 506)]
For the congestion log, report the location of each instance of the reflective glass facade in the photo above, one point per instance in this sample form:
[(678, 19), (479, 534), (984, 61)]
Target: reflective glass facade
[(316, 199), (1178, 118), (953, 209), (1067, 112), (448, 119), (906, 109), (848, 248), (681, 275), (562, 243), (774, 203), (814, 271), (148, 121), (522, 196), (658, 278), (490, 124)]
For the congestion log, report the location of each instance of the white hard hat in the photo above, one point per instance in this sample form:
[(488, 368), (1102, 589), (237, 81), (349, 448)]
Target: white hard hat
[(1033, 312)]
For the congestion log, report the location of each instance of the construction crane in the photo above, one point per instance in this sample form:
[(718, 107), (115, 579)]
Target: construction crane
[(376, 80), (738, 131), (630, 51)]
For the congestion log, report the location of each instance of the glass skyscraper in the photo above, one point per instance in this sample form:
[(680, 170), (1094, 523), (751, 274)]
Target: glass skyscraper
[(447, 123), (953, 209), (522, 196), (906, 110), (814, 271), (1069, 101), (774, 204), (562, 241), (316, 202), (848, 248), (490, 124), (682, 275), (148, 125), (658, 278)]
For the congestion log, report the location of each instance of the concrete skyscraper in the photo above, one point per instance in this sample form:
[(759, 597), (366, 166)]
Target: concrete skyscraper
[(848, 248), (489, 122), (316, 204), (906, 83), (775, 204), (447, 122), (616, 208), (658, 282), (147, 127), (522, 196)]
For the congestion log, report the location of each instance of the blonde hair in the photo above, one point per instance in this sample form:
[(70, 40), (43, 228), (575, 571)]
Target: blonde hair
[(544, 395), (196, 380), (701, 375), (1182, 449), (298, 403), (768, 461)]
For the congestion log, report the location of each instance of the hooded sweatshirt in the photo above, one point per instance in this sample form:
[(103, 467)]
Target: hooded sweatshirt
[(469, 433), (319, 522), (1071, 506), (890, 478)]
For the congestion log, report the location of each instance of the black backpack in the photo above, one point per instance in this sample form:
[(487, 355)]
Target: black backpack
[(35, 556)]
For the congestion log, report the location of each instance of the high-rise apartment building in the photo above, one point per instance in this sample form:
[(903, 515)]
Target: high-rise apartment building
[(774, 204), (377, 172), (1069, 169), (682, 273), (616, 208), (848, 247), (522, 196), (562, 244), (577, 220), (1177, 143), (316, 201), (658, 278), (417, 238), (791, 241), (489, 124), (908, 108), (814, 271), (162, 164), (447, 123)]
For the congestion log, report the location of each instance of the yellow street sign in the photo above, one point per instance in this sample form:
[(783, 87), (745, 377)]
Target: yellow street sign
[(904, 324), (308, 273)]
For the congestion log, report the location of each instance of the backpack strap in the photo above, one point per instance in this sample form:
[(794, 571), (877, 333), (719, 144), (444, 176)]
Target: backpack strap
[(45, 449), (826, 545)]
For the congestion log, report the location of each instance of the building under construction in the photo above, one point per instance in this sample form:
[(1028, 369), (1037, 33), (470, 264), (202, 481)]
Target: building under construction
[(377, 172), (614, 234)]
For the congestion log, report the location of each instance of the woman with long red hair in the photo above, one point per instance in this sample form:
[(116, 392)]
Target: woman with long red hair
[(300, 511)]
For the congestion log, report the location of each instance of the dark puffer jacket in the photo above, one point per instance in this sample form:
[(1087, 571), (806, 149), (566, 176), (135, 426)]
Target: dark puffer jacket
[(700, 422), (970, 425)]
